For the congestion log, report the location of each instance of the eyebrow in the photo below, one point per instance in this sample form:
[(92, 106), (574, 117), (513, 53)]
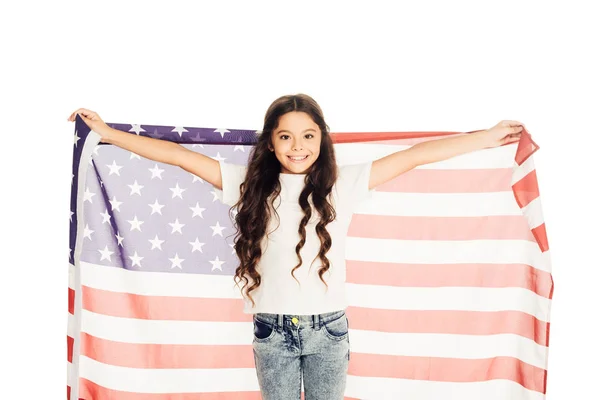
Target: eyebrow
[(306, 130)]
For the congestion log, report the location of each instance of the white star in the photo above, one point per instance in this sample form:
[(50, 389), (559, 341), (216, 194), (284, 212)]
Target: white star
[(156, 242), (239, 148), (76, 139), (197, 210), (119, 239), (177, 191), (105, 216), (134, 155), (217, 229), (106, 254), (137, 128), (135, 259), (114, 168), (196, 245), (135, 224), (198, 145), (87, 232), (232, 248), (114, 203), (216, 264), (180, 130), (222, 131), (96, 148), (197, 179), (156, 207), (176, 261), (71, 216), (215, 196), (156, 172), (88, 195), (218, 157), (176, 226), (135, 188)]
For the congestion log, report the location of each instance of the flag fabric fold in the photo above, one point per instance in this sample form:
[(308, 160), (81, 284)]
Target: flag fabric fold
[(448, 274)]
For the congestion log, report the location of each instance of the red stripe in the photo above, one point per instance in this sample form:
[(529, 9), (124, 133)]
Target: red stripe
[(136, 355), (129, 305), (71, 301), (355, 137), (68, 392), (539, 233), (440, 228), (70, 349), (449, 322), (90, 390), (441, 275), (526, 147), (447, 369), (526, 190), (450, 181)]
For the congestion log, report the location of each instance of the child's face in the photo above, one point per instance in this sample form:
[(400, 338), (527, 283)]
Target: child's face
[(297, 135)]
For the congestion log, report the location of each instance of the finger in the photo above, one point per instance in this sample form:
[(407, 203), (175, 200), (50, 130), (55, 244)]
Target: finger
[(508, 122)]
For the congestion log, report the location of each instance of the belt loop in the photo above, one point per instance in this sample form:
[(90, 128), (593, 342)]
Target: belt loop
[(279, 323), (314, 321), (318, 321)]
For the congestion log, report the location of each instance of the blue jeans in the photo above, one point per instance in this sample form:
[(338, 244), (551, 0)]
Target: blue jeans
[(289, 349)]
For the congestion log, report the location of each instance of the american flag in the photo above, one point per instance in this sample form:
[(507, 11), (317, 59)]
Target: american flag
[(448, 275)]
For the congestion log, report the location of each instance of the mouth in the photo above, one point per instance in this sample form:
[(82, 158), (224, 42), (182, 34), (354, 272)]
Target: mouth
[(298, 159)]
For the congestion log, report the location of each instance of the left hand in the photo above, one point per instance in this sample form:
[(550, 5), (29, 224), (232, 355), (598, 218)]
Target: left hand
[(504, 132)]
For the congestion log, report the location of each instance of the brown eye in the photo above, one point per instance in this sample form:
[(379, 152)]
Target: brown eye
[(310, 134)]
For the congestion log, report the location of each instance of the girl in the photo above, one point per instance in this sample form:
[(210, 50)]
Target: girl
[(295, 204)]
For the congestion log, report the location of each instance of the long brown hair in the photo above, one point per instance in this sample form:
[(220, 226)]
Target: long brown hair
[(262, 183)]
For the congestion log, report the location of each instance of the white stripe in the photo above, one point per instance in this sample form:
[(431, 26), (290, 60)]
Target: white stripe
[(395, 389), (72, 328), (533, 213), (440, 204), (449, 298), (497, 157), (520, 171), (449, 345), (144, 331), (158, 283), (244, 379), (445, 251), (178, 380)]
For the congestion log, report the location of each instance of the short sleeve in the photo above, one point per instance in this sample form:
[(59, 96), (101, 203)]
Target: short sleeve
[(353, 183), (232, 176)]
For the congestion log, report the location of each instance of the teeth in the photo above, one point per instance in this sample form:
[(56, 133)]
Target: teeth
[(298, 158)]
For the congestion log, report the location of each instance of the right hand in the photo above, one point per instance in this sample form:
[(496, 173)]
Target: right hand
[(92, 120)]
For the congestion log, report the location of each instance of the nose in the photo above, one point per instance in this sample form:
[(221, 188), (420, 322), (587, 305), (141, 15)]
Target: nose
[(297, 145)]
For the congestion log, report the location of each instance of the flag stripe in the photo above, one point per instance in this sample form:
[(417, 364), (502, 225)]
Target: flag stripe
[(71, 301), (440, 275), (440, 228), (526, 189), (506, 251), (449, 370), (450, 181), (440, 204)]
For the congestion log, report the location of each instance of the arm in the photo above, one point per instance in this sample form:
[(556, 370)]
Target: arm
[(391, 166), (167, 152), (155, 149)]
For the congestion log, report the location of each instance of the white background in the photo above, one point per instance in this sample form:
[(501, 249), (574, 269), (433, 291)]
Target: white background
[(376, 66)]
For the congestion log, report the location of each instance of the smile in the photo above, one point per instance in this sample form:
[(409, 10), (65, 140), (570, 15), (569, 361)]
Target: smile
[(298, 159)]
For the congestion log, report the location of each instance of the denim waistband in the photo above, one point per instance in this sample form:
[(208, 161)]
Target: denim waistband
[(282, 320)]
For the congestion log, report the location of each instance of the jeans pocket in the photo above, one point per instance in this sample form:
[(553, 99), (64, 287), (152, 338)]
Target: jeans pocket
[(262, 331), (337, 329)]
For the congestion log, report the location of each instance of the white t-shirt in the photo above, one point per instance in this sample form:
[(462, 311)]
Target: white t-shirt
[(279, 293)]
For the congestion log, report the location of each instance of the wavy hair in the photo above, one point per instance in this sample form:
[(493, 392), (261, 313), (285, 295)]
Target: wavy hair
[(261, 186)]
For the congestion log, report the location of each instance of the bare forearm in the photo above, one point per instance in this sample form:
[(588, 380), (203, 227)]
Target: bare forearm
[(153, 149), (442, 149)]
